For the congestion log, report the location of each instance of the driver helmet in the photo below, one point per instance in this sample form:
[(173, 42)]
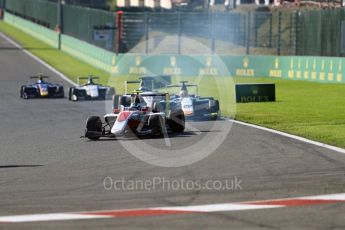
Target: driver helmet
[(90, 81), (137, 103), (184, 93), (40, 80)]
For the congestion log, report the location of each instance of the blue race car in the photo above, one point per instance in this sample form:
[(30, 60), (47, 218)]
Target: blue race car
[(41, 89)]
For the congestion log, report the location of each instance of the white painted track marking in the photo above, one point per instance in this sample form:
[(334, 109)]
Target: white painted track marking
[(302, 139), (58, 73)]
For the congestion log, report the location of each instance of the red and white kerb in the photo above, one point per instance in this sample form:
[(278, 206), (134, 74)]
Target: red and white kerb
[(225, 207)]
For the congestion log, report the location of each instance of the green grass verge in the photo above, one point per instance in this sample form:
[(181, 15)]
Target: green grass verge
[(312, 110), (63, 62)]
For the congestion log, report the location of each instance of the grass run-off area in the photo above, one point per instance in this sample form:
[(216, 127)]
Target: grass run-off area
[(312, 110)]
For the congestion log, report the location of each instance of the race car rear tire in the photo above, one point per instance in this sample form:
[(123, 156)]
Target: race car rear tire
[(25, 96), (125, 101), (159, 107), (70, 94), (177, 121), (215, 107), (119, 100), (62, 90), (116, 103), (93, 125), (155, 126), (109, 95)]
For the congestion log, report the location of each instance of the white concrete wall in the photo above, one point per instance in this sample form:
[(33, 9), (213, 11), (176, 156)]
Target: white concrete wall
[(148, 3)]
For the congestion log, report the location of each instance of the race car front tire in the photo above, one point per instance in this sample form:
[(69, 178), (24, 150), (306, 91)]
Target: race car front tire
[(71, 95), (93, 127)]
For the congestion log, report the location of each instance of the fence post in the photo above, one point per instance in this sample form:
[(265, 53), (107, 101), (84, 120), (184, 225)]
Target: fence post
[(119, 28), (179, 33), (256, 29), (146, 33), (213, 42), (279, 32), (290, 37), (297, 31), (2, 9), (59, 22), (271, 29), (248, 32)]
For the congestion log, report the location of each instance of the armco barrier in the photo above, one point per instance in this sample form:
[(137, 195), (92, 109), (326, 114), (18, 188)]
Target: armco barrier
[(40, 32), (320, 69), (90, 54)]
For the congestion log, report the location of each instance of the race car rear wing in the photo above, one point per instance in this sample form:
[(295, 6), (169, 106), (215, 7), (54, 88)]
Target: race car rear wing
[(141, 82), (87, 78), (38, 76), (188, 85), (130, 82), (184, 84)]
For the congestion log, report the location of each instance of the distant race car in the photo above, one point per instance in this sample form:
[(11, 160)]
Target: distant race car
[(41, 89), (194, 106), (142, 113), (90, 90)]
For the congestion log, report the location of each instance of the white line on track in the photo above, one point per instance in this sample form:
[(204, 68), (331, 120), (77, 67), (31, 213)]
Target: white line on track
[(302, 139), (194, 209), (64, 77)]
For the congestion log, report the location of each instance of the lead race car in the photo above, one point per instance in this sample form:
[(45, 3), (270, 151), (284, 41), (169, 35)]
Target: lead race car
[(194, 106), (143, 113), (90, 90), (41, 89)]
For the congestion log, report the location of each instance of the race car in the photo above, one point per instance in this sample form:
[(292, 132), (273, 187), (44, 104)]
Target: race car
[(41, 89), (194, 106), (148, 114), (90, 90), (125, 100)]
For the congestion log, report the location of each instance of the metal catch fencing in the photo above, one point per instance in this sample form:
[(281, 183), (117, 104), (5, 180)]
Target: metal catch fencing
[(319, 33), (221, 33), (288, 32), (39, 11), (91, 25)]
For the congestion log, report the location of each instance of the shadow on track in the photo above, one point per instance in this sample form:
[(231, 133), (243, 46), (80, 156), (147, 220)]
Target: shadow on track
[(18, 166), (171, 135)]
